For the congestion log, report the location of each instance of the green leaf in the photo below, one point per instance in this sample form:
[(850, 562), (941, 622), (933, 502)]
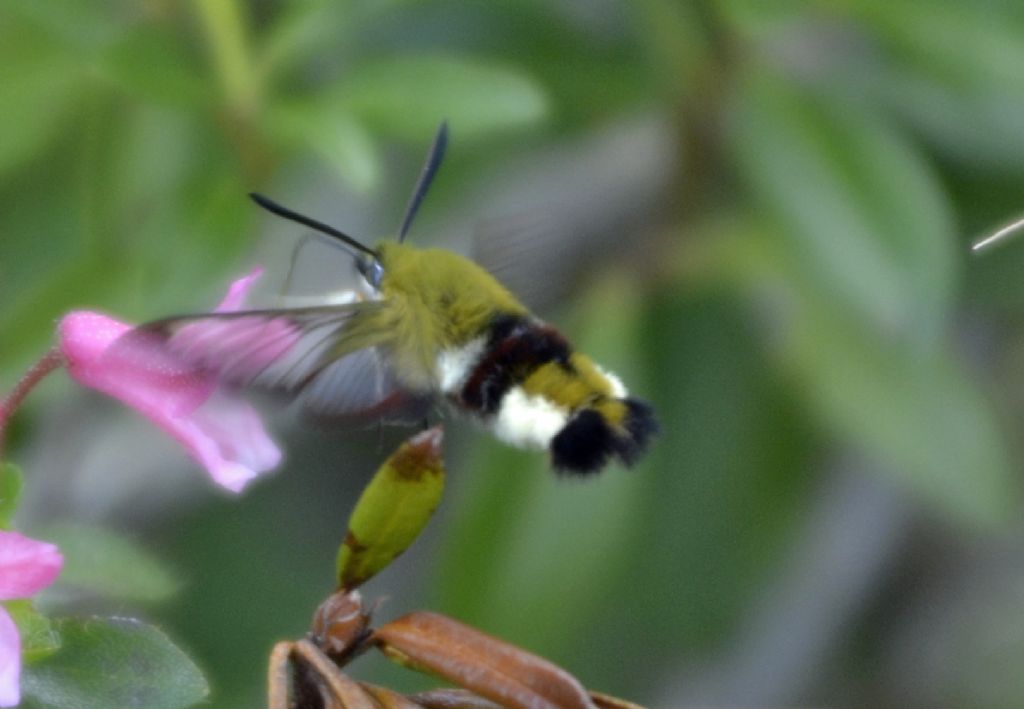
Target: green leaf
[(300, 31), (979, 127), (113, 662), (864, 215), (150, 65), (107, 564), (80, 26), (38, 636), (410, 95), (730, 473), (40, 84), (952, 75), (331, 131), (393, 508), (977, 49), (49, 298), (920, 414), (916, 413), (11, 481)]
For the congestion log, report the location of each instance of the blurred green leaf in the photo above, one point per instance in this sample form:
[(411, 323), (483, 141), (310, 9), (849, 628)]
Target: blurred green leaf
[(79, 26), (113, 662), (107, 564), (330, 130), (11, 481), (916, 413), (919, 413), (40, 83), (728, 480), (225, 28), (301, 31), (676, 39), (978, 127), (149, 64), (954, 42), (393, 509), (865, 217), (486, 514), (39, 638), (409, 95), (952, 74), (33, 313)]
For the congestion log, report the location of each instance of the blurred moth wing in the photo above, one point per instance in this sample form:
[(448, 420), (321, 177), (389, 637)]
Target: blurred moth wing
[(330, 359)]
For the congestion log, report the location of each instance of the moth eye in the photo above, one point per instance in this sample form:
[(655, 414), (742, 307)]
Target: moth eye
[(372, 271)]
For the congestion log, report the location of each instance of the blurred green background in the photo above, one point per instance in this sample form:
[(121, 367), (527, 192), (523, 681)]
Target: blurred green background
[(758, 213)]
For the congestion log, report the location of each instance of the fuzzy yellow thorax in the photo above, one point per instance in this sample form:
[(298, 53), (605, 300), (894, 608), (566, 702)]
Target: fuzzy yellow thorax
[(438, 300)]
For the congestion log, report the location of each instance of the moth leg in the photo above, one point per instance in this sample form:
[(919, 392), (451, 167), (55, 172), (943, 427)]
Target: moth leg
[(285, 294), (304, 241)]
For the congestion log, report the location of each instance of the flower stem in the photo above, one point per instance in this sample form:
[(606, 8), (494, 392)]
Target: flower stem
[(225, 28), (46, 364), (224, 25)]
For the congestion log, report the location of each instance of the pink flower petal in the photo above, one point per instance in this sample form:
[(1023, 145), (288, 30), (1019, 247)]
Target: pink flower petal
[(26, 565), (227, 437), (134, 369), (222, 432), (10, 661), (238, 291)]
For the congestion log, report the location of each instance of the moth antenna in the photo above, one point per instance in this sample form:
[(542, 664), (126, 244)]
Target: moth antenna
[(275, 208), (1006, 230), (434, 157)]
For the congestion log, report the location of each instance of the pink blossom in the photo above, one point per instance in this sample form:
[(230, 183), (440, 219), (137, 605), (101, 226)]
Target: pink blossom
[(217, 428), (26, 567)]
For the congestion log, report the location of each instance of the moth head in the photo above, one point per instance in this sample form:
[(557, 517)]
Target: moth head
[(371, 269)]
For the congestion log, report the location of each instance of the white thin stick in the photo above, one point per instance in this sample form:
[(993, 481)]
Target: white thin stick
[(1008, 229)]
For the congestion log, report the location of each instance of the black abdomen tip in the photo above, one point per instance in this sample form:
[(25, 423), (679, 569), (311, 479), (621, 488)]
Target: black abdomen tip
[(641, 424), (587, 442), (583, 445)]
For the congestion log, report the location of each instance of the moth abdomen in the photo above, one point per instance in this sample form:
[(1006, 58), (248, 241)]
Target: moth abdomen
[(516, 347), (522, 379)]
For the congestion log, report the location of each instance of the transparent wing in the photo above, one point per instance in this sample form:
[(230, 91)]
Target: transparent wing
[(361, 385), (328, 358), (528, 255)]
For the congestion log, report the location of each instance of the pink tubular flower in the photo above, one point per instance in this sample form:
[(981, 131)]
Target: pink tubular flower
[(26, 567), (220, 430)]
